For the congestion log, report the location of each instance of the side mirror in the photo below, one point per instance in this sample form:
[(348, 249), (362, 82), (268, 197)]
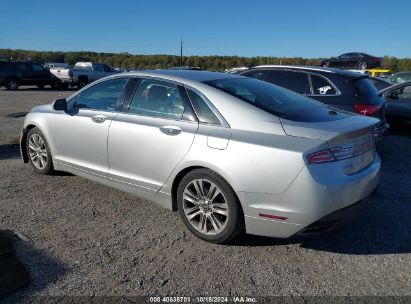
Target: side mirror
[(60, 105)]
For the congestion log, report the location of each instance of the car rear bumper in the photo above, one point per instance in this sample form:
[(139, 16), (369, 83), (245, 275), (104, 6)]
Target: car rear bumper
[(310, 198)]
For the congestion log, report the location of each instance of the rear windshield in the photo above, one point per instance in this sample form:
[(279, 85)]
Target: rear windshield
[(271, 98), (365, 90)]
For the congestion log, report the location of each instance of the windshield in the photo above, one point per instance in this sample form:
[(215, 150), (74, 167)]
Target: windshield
[(271, 98)]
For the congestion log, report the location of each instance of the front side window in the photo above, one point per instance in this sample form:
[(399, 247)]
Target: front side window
[(37, 68), (321, 86), (157, 98), (203, 111), (106, 68), (104, 96), (97, 67), (294, 81)]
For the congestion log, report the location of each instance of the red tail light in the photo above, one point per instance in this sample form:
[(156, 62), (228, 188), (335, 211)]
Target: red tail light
[(376, 59), (366, 109), (338, 153)]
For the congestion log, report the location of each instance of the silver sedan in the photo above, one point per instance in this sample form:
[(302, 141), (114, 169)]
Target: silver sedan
[(231, 154)]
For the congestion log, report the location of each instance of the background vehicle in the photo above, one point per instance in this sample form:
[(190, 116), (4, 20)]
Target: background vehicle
[(398, 99), (400, 77), (65, 74), (86, 72), (236, 70), (380, 83), (15, 74), (228, 152), (381, 73), (341, 89), (50, 65), (359, 60)]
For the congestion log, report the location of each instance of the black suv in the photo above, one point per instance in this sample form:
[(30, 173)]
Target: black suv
[(338, 88), (14, 74), (357, 60)]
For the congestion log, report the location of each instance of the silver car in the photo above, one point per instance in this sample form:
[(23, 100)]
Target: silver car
[(230, 153)]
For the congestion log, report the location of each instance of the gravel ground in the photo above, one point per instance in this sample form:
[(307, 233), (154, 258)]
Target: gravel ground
[(88, 239)]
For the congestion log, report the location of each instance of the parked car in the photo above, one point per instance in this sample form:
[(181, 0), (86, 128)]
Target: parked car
[(400, 77), (15, 74), (186, 67), (398, 99), (50, 65), (230, 153), (380, 83), (65, 74), (87, 72), (341, 89), (358, 60)]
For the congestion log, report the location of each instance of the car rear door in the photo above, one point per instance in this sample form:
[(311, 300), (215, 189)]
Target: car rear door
[(151, 136), (39, 75), (81, 133)]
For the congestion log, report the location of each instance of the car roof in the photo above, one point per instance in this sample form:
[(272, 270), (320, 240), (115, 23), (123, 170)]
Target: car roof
[(183, 75), (313, 69)]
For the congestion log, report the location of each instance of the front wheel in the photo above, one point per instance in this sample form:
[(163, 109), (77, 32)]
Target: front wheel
[(39, 152), (12, 85), (209, 207)]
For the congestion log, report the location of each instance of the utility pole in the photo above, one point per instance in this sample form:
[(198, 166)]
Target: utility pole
[(181, 52)]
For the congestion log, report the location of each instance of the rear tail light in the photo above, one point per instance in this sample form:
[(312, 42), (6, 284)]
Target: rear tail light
[(338, 153), (366, 109), (376, 59)]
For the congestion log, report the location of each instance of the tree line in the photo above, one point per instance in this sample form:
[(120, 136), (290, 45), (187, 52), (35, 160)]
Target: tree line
[(216, 63)]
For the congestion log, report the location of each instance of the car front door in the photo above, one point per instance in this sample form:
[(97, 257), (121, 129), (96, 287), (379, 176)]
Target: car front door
[(149, 139), (81, 133), (39, 75), (399, 105)]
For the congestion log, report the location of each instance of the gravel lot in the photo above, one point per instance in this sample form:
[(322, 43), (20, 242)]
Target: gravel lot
[(88, 239)]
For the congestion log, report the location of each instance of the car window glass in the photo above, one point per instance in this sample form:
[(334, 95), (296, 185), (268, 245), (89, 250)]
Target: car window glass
[(295, 81), (105, 96), (23, 67), (262, 75), (37, 68), (344, 56), (97, 67), (404, 93), (203, 111), (157, 98), (321, 86)]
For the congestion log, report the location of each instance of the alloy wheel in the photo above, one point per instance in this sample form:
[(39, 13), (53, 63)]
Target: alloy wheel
[(38, 151), (205, 207)]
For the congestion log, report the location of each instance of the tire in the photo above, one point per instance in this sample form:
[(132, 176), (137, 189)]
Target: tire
[(325, 64), (12, 84), (362, 65), (38, 152), (82, 82), (40, 86), (222, 211), (55, 85)]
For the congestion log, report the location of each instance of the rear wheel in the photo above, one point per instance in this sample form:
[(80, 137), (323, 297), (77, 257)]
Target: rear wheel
[(209, 207), (39, 152), (362, 65), (82, 82), (11, 84), (326, 64)]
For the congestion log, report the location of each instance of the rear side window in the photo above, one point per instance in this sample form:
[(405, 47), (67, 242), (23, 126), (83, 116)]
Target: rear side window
[(322, 86), (158, 99), (203, 111), (365, 90), (294, 81), (37, 68)]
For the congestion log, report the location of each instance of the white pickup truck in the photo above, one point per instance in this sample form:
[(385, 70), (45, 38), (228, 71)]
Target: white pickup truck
[(86, 72), (61, 71)]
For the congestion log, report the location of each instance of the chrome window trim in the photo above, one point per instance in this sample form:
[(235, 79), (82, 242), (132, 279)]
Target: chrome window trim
[(223, 122)]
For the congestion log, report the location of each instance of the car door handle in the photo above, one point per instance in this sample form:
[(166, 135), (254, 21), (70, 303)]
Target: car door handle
[(98, 118), (170, 130)]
